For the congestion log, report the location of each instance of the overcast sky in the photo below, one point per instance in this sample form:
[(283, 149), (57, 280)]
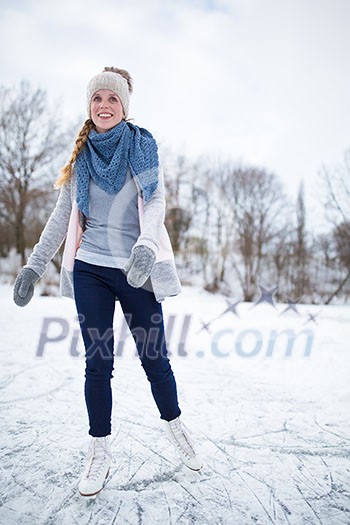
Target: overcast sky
[(266, 82)]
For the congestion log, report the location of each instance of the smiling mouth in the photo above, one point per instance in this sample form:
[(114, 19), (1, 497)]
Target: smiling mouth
[(104, 115)]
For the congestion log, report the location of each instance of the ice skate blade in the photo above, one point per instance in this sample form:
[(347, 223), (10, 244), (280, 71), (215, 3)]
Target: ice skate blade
[(194, 469), (91, 496)]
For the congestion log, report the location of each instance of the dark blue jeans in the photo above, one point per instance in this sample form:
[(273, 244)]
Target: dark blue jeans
[(95, 290)]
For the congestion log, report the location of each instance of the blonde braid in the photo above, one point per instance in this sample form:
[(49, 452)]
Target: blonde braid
[(66, 171)]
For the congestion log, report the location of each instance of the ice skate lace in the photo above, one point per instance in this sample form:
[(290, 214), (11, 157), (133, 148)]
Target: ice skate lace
[(96, 459), (182, 438)]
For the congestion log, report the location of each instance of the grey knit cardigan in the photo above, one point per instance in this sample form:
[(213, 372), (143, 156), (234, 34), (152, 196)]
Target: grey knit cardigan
[(66, 224)]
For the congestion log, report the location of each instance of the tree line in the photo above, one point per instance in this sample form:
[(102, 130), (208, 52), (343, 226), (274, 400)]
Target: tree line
[(235, 226), (232, 226)]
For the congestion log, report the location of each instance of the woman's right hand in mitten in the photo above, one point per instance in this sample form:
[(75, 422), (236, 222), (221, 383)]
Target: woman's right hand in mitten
[(139, 266), (23, 289)]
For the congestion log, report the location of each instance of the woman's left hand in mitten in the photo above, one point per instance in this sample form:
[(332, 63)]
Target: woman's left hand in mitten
[(139, 266)]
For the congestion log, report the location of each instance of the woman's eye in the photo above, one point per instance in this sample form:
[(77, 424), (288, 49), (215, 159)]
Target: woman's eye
[(97, 99), (113, 99)]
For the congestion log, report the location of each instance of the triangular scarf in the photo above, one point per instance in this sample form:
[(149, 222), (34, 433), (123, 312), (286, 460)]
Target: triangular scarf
[(105, 158)]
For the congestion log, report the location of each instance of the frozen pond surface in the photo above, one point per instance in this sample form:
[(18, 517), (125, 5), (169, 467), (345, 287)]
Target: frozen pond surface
[(273, 430)]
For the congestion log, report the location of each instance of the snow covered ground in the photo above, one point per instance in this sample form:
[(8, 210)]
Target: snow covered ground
[(273, 429)]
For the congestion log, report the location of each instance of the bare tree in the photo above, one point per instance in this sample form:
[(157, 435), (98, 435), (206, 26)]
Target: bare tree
[(336, 181), (219, 227), (340, 238), (259, 206), (300, 275), (196, 218), (280, 271), (225, 219), (187, 208), (30, 142), (178, 217)]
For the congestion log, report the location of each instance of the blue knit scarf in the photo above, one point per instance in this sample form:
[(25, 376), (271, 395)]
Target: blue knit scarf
[(106, 157)]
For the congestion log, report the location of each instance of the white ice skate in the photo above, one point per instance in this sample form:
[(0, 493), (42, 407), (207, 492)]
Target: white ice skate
[(96, 471), (180, 438)]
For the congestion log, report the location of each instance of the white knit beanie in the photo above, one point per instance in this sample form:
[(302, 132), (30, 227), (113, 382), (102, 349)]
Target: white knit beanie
[(113, 81)]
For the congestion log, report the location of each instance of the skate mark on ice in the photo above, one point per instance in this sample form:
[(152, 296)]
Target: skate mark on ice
[(190, 494), (221, 449), (273, 498), (266, 433), (330, 431), (18, 443), (138, 468), (9, 378), (140, 512), (6, 380), (114, 520), (329, 491), (25, 371), (167, 504), (184, 513), (310, 480), (308, 504), (36, 396), (265, 510), (227, 494), (62, 504), (143, 484), (152, 452), (296, 450)]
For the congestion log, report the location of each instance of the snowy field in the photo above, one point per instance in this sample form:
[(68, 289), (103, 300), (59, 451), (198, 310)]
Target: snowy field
[(273, 428)]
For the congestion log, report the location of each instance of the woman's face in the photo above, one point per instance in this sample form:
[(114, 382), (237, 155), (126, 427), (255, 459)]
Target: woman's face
[(106, 110)]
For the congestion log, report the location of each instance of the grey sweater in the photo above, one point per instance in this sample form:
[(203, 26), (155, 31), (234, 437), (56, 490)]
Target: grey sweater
[(112, 227), (164, 279)]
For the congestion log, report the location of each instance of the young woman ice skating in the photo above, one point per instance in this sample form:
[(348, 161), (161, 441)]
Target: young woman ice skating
[(110, 212)]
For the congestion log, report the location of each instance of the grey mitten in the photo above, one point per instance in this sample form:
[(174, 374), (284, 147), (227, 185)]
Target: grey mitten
[(23, 289), (139, 266)]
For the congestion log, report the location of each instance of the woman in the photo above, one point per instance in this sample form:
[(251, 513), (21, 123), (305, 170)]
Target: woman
[(110, 212)]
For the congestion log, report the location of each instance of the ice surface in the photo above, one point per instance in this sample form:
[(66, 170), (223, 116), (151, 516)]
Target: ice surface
[(273, 430)]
